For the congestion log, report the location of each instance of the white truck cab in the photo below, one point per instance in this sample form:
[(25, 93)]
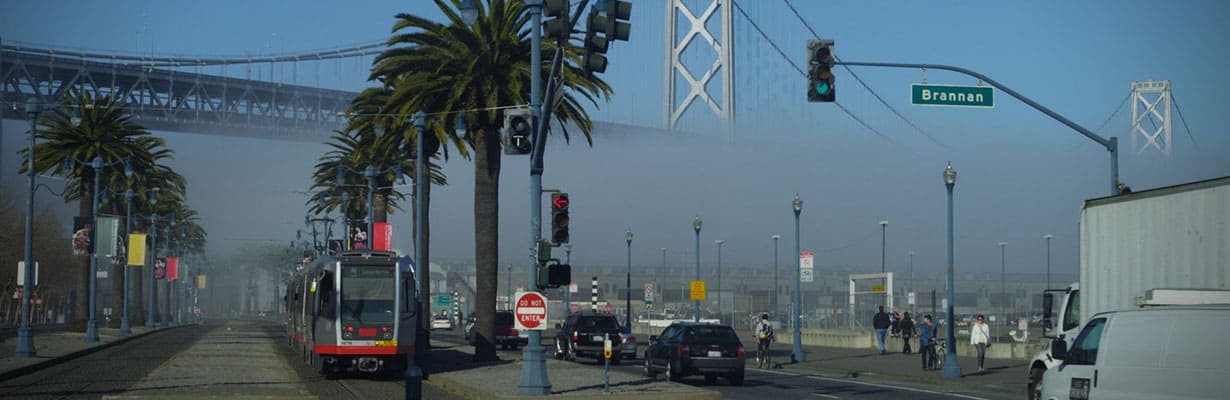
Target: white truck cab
[(1147, 353)]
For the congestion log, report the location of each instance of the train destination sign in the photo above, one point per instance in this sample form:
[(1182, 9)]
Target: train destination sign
[(922, 94)]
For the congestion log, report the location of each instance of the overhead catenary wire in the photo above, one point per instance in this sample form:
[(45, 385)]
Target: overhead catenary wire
[(864, 83), (804, 74)]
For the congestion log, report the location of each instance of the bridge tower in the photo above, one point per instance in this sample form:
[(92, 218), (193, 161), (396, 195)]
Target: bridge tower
[(1151, 99), (697, 34)]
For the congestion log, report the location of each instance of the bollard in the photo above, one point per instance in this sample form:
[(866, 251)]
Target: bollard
[(414, 383)]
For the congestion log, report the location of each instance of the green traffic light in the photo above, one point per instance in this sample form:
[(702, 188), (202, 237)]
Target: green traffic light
[(822, 87)]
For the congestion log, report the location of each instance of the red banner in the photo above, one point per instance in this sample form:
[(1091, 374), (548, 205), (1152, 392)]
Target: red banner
[(172, 268), (383, 238)]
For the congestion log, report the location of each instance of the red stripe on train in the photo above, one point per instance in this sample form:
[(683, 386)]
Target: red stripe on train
[(360, 350)]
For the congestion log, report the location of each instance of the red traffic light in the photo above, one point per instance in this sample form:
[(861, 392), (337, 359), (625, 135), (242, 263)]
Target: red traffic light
[(559, 202)]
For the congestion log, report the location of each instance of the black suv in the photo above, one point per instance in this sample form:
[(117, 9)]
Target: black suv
[(583, 335), (692, 348)]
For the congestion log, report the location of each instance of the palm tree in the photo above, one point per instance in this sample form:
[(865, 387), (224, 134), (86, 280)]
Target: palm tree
[(105, 131), (477, 70)]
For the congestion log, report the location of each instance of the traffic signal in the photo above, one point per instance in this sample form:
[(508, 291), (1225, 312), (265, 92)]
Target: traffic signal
[(518, 131), (557, 26), (553, 275), (820, 60), (596, 44), (616, 11), (559, 218)]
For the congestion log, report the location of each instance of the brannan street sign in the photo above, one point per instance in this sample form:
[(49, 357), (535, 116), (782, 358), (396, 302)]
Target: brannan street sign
[(922, 94)]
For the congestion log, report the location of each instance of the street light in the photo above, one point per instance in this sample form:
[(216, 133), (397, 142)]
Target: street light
[(775, 237), (1048, 258), (662, 284), (883, 244), (125, 329), (91, 328), (628, 283), (696, 222), (469, 11), (153, 236), (951, 368), (796, 353), (719, 243), (25, 338), (568, 290), (1003, 285), (911, 286)]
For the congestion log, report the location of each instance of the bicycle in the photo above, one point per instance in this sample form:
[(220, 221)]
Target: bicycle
[(763, 358)]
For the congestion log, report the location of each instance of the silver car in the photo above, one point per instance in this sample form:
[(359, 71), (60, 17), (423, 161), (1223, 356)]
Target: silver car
[(627, 350)]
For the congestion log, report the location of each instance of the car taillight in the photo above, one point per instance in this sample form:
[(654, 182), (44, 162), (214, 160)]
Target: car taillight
[(741, 352), (574, 336), (681, 350), (514, 332), (631, 339)]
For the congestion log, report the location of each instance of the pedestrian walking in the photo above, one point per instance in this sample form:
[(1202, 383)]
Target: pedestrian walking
[(980, 337), (895, 323), (881, 324), (907, 331), (926, 342)]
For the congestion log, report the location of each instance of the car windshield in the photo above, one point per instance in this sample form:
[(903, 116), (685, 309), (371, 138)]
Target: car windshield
[(712, 333), (597, 323), (368, 293)]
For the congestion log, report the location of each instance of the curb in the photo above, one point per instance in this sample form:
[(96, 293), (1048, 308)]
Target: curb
[(847, 374), (51, 362), (467, 392)]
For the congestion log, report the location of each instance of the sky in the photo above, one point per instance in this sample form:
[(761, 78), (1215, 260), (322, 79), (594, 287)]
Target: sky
[(1020, 174)]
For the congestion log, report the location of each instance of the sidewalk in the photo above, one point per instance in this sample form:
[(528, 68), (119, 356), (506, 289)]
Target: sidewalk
[(449, 369), (235, 360), (1001, 377), (56, 347)]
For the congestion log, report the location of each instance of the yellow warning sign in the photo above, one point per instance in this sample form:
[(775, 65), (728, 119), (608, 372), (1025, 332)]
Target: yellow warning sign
[(877, 288), (698, 290)]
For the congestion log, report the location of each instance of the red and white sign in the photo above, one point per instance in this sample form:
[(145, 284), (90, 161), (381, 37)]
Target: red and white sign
[(383, 238), (531, 311), (172, 268)]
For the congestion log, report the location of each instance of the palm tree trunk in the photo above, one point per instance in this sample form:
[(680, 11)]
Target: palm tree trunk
[(486, 239), (81, 302)]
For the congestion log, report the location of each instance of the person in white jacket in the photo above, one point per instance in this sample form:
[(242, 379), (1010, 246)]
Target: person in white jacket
[(979, 336)]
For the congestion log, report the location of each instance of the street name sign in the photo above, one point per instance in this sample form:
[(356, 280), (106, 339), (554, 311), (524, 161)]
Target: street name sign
[(924, 94)]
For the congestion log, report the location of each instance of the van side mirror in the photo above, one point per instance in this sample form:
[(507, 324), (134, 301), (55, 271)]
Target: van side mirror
[(1059, 349), (1048, 308)]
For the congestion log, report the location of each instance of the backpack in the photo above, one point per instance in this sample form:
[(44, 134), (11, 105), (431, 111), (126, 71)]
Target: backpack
[(767, 333)]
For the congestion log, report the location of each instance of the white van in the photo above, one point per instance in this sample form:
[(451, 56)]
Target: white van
[(1148, 353)]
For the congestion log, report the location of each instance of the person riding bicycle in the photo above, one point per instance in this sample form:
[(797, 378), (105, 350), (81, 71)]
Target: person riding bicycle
[(764, 335)]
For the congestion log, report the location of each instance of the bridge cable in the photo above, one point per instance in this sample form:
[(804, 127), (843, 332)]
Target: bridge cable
[(861, 82), (1185, 127), (804, 74)]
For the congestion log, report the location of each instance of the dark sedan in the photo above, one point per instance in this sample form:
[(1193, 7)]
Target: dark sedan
[(690, 348)]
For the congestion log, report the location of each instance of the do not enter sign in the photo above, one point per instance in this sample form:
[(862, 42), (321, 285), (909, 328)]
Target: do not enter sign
[(530, 312)]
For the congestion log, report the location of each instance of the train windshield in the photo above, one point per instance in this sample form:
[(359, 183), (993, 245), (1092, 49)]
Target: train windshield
[(368, 293)]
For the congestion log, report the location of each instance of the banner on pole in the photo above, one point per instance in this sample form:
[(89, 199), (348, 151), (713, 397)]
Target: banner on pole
[(200, 281), (172, 268), (83, 232), (160, 268), (108, 235), (136, 249), (21, 273), (382, 238)]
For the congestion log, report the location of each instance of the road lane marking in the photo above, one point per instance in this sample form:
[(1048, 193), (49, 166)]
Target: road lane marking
[(827, 396), (880, 385)]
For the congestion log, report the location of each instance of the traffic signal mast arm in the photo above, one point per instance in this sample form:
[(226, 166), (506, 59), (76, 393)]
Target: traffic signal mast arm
[(1111, 145)]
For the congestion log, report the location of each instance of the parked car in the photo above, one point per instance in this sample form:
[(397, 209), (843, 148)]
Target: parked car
[(506, 334), (691, 348), (441, 322), (1147, 353), (584, 334), (628, 350)]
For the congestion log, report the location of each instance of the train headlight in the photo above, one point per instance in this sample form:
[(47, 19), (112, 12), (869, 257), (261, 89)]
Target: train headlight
[(386, 333)]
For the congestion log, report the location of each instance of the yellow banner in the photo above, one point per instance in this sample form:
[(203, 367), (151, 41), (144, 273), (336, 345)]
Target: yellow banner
[(136, 249), (200, 281), (877, 288)]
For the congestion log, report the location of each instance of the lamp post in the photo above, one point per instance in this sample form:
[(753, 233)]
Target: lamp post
[(628, 282), (1048, 258), (568, 290), (25, 338), (420, 187), (508, 286), (911, 287), (796, 353), (370, 174), (125, 329), (775, 237), (883, 244), (153, 236), (696, 222), (719, 243), (533, 381), (1003, 285), (662, 284), (91, 328), (166, 298), (951, 368)]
